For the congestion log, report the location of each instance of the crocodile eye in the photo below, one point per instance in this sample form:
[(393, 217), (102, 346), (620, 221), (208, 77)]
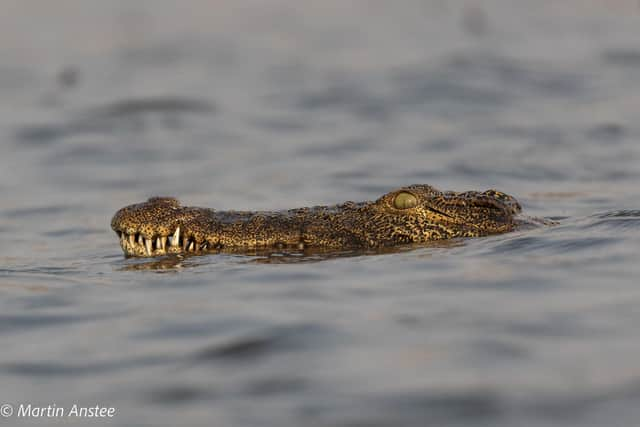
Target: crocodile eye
[(405, 201)]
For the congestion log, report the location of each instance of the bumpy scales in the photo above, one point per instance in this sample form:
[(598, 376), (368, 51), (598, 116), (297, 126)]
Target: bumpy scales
[(413, 214)]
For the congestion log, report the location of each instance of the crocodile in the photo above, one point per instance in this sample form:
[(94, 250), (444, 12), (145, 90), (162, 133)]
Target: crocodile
[(413, 214)]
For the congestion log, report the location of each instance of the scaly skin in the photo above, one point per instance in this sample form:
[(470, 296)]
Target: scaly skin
[(413, 214)]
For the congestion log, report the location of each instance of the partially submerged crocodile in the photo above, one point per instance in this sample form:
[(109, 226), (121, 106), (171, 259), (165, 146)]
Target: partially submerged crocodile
[(413, 214)]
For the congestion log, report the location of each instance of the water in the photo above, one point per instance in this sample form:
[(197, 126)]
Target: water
[(285, 104)]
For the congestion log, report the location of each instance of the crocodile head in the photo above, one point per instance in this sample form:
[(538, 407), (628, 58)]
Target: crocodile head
[(412, 214), (420, 213)]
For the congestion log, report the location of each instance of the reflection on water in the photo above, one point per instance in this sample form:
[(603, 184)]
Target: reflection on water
[(274, 256), (287, 104)]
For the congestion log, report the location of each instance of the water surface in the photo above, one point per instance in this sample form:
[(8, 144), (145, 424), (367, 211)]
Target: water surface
[(288, 104)]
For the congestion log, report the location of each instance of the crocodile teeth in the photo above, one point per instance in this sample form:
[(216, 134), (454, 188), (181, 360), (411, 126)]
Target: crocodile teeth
[(147, 246), (204, 247), (175, 239), (161, 242), (185, 243), (191, 247), (132, 239), (140, 239)]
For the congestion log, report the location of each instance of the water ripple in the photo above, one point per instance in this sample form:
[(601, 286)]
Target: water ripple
[(121, 115), (285, 338), (52, 369), (21, 322)]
